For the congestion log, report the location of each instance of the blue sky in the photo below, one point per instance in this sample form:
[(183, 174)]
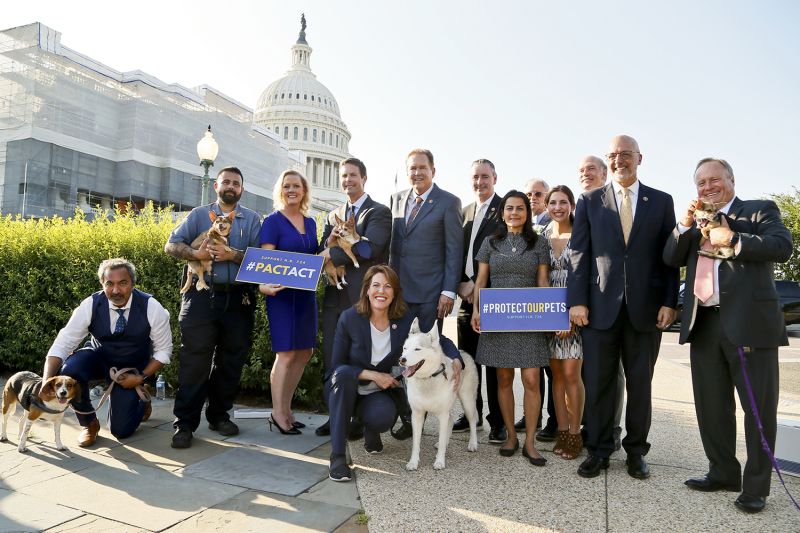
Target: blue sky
[(531, 85)]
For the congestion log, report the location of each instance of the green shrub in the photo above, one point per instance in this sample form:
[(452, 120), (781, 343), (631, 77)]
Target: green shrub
[(48, 266)]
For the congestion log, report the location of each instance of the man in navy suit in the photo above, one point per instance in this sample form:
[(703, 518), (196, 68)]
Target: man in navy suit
[(623, 296), (481, 219), (374, 225), (427, 249), (729, 305)]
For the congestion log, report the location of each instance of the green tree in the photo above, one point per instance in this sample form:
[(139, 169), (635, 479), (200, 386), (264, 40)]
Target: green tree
[(789, 205)]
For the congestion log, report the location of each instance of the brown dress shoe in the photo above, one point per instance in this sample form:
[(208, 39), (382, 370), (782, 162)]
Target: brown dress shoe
[(148, 410), (89, 433)]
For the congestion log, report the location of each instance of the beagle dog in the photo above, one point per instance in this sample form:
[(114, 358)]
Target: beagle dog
[(46, 400)]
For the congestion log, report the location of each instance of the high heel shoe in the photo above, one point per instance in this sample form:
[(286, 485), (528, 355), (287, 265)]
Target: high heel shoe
[(535, 461), (291, 431), (298, 425)]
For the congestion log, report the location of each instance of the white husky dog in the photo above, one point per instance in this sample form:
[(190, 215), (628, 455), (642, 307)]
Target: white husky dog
[(429, 374)]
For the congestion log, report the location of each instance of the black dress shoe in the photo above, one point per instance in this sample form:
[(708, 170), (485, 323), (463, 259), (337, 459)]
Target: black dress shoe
[(547, 434), (324, 430), (637, 466), (498, 435), (520, 424), (592, 465), (749, 503), (226, 428), (462, 424), (182, 438), (706, 484), (404, 432)]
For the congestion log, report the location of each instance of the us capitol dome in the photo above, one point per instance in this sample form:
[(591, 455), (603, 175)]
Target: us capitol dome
[(304, 113)]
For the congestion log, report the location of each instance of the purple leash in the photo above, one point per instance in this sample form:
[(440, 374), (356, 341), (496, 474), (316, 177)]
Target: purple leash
[(764, 443)]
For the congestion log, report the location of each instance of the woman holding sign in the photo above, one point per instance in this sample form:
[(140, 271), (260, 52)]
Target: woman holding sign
[(292, 313), (514, 257), (566, 350)]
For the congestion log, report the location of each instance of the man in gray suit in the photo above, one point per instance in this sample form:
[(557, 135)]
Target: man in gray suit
[(481, 220), (427, 249), (374, 225), (728, 306)]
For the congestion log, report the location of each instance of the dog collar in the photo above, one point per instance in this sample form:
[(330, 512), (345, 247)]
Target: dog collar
[(42, 407), (440, 371)]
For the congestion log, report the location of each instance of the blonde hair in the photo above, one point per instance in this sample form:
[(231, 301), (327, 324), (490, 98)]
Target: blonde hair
[(278, 201)]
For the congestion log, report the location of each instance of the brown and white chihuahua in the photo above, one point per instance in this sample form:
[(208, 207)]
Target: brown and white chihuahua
[(708, 217), (217, 234), (344, 236)]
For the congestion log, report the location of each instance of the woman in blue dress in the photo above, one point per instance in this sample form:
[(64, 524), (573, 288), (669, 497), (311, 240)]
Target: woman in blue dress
[(292, 313)]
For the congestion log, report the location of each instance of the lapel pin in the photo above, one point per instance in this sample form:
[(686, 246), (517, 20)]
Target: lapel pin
[(644, 198), (394, 326), (430, 201)]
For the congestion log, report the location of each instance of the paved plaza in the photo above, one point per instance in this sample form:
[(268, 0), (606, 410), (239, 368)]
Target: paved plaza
[(263, 481)]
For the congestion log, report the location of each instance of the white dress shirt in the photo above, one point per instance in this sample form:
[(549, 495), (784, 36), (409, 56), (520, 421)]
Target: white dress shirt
[(357, 204), (77, 329), (480, 214)]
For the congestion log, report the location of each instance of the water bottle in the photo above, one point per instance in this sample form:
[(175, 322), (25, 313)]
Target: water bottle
[(96, 392), (161, 388)]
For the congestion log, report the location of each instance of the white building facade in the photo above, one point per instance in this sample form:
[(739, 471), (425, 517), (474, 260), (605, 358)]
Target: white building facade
[(77, 133), (305, 115)]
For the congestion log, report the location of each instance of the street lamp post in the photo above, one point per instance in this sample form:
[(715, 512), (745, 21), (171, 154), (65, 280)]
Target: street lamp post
[(207, 150)]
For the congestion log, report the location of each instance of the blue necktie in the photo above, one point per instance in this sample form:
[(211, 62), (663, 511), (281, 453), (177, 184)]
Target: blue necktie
[(121, 323)]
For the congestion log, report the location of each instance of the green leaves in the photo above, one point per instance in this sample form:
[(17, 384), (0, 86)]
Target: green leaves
[(47, 266)]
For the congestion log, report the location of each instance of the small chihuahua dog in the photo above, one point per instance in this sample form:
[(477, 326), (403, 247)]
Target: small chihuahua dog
[(344, 236), (217, 234), (707, 218)]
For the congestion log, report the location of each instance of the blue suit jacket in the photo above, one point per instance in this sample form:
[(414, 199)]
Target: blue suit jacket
[(352, 345), (605, 270), (428, 255)]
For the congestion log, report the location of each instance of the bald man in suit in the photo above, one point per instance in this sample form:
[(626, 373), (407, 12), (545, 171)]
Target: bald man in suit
[(623, 295)]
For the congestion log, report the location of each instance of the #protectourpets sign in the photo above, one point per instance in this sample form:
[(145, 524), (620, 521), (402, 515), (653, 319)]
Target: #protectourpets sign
[(528, 309), (293, 270)]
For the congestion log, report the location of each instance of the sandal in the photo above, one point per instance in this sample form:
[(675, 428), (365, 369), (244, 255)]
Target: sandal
[(561, 442), (573, 445)]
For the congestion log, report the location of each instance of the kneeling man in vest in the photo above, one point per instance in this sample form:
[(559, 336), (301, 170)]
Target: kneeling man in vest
[(127, 328)]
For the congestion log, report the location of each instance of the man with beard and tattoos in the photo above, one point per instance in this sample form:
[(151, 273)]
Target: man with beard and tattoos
[(216, 324)]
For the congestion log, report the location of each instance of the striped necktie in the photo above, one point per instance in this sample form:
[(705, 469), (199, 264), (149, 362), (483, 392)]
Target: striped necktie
[(414, 210)]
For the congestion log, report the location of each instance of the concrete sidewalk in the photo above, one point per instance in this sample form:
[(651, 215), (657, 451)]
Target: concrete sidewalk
[(263, 481)]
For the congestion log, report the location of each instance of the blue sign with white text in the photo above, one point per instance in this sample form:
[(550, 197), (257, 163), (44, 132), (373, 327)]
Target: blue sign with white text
[(290, 269), (526, 309)]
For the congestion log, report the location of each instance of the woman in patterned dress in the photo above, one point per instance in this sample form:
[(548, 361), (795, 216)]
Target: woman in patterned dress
[(514, 257), (566, 351)]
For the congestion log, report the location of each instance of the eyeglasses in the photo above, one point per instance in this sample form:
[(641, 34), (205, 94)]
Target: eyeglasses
[(537, 194), (627, 155)]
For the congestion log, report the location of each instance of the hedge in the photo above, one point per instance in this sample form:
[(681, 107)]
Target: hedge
[(47, 266)]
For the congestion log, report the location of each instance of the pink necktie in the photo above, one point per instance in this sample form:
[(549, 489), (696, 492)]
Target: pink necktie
[(704, 275)]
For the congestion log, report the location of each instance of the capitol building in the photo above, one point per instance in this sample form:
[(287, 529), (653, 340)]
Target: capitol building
[(76, 133), (304, 113)]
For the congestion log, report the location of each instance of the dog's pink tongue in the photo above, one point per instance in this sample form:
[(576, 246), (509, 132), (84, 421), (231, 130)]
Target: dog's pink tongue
[(62, 400)]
